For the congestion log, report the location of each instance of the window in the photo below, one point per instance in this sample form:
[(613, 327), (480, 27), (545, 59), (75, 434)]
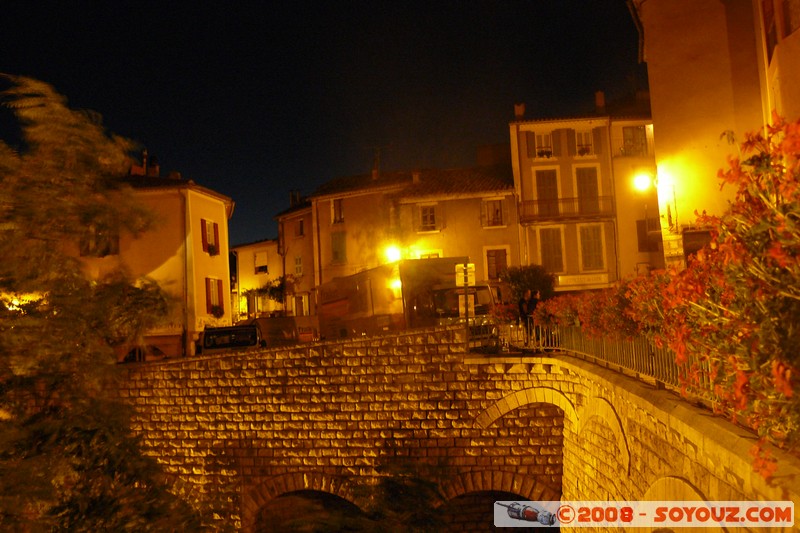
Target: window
[(547, 192), (551, 249), (492, 213), (298, 266), (261, 263), (299, 228), (99, 242), (339, 247), (429, 255), (544, 145), (496, 263), (588, 190), (539, 144), (214, 297), (210, 235), (592, 256), (427, 218), (337, 211), (634, 141), (301, 305), (584, 142)]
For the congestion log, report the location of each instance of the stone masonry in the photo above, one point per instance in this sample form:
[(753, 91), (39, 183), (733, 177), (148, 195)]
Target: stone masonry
[(239, 430)]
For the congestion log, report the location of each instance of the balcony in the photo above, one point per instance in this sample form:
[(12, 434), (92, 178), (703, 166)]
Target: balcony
[(566, 208)]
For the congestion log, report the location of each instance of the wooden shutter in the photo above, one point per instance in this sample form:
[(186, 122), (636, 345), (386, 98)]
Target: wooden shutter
[(220, 299), (571, 142), (556, 140), (204, 234), (216, 236), (530, 141), (208, 295), (597, 140)]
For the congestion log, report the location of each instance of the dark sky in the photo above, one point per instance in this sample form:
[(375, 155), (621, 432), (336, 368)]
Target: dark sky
[(255, 99)]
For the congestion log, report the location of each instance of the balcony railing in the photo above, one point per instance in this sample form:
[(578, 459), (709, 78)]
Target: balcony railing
[(561, 208)]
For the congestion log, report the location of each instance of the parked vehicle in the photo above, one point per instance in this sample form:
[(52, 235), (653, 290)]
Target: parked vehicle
[(414, 293), (230, 339)]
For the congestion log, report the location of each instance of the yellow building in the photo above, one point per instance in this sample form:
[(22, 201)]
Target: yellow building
[(716, 71), (186, 252), (258, 265), (296, 248), (580, 216), (360, 222)]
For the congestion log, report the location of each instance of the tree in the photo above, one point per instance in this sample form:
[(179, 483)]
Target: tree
[(68, 459), (533, 277)]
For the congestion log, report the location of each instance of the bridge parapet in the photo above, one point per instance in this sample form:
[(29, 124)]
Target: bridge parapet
[(242, 429)]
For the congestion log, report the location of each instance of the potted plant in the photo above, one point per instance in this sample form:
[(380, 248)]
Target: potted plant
[(217, 311)]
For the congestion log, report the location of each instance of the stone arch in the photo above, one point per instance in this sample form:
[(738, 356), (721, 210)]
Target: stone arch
[(603, 409), (499, 481), (524, 397), (673, 488), (255, 497)]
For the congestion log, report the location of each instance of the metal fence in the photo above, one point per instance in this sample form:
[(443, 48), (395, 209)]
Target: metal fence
[(635, 356)]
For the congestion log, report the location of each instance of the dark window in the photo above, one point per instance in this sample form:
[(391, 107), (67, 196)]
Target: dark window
[(496, 263)]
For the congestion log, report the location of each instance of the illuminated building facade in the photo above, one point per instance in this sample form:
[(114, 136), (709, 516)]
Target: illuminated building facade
[(579, 214), (186, 252), (257, 265), (717, 70)]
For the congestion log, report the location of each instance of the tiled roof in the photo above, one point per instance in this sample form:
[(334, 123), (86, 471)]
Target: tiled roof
[(431, 182), (363, 182), (460, 181)]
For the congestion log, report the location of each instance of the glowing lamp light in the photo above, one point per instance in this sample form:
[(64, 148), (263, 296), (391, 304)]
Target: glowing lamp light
[(642, 181), (392, 253)]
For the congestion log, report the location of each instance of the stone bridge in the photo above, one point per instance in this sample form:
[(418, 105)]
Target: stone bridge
[(257, 436)]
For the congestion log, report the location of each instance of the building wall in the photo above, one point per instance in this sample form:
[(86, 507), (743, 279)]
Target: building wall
[(575, 146), (464, 228), (358, 239), (703, 66), (258, 264), (205, 264), (296, 234)]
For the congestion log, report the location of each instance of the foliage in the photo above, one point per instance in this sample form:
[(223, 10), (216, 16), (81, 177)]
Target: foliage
[(533, 277), (274, 289), (732, 317), (68, 459)]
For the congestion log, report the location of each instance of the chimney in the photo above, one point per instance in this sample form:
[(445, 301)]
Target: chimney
[(140, 170), (600, 102), (519, 111), (152, 168)]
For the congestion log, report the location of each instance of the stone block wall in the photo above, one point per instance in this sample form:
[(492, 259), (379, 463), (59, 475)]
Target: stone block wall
[(240, 430)]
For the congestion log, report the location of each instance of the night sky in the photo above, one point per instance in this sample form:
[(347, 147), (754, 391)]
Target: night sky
[(255, 99)]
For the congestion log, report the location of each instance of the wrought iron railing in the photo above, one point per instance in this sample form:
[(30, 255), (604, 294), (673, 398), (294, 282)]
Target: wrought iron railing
[(636, 356), (531, 210)]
